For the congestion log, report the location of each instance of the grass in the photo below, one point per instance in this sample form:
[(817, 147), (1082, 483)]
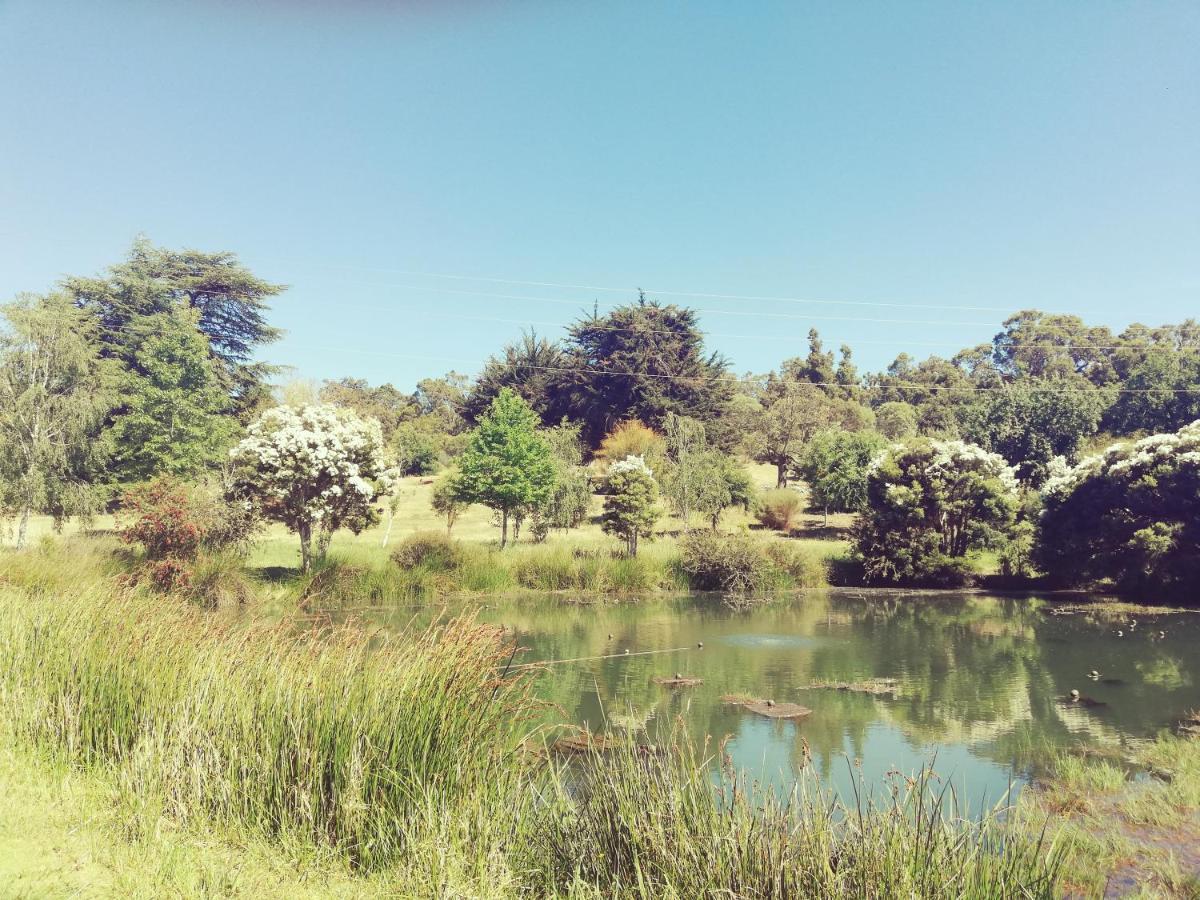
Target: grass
[(330, 737), (1121, 835), (168, 749)]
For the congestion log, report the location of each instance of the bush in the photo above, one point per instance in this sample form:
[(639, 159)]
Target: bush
[(780, 508), (805, 567), (632, 438), (430, 550), (727, 562), (930, 505), (170, 575), (166, 517), (1130, 515)]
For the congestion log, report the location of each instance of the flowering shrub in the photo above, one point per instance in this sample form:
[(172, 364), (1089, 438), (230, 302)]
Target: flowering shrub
[(929, 505), (165, 517), (170, 575), (315, 469), (1130, 515)]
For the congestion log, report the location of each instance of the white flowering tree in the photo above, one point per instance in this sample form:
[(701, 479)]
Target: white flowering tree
[(929, 505), (315, 469), (1129, 515)]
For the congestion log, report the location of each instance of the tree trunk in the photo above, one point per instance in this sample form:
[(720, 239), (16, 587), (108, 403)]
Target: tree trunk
[(388, 532), (323, 539), (305, 532), (781, 478), (23, 527), (503, 528), (631, 544), (826, 516)]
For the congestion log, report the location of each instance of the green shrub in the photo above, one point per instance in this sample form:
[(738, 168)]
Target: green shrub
[(805, 567), (430, 549), (780, 508), (727, 562)]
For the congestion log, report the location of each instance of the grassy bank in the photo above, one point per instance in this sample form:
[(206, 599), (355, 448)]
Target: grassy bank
[(212, 753)]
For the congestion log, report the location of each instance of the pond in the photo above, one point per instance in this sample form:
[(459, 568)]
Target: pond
[(978, 692)]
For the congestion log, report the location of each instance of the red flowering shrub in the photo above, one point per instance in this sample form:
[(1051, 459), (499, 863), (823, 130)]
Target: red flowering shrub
[(166, 518), (170, 575)]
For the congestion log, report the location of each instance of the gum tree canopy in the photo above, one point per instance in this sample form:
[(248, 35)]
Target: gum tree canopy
[(1130, 515)]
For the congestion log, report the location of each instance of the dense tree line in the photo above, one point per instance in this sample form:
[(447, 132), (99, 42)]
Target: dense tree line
[(154, 368)]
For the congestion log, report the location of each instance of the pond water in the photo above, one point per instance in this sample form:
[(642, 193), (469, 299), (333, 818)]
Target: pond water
[(980, 680)]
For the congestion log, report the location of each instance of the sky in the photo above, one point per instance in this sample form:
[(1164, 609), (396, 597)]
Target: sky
[(431, 177)]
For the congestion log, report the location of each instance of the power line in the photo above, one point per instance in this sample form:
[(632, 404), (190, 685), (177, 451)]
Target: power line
[(666, 293), (790, 338)]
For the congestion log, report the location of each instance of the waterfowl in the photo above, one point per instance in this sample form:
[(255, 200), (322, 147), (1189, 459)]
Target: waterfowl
[(1094, 675), (700, 645), (1074, 696), (1120, 633)]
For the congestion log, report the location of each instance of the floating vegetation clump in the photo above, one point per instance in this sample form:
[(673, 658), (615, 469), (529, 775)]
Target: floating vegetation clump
[(768, 708), (878, 687)]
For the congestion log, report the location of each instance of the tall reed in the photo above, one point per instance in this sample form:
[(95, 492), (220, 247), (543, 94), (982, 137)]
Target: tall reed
[(331, 736)]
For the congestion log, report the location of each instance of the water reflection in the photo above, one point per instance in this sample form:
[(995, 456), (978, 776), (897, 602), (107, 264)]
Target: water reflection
[(981, 678)]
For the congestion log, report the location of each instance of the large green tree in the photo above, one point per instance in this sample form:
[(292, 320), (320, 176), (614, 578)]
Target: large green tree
[(834, 465), (175, 417), (230, 301), (642, 361), (507, 465), (55, 391), (535, 368), (1031, 421)]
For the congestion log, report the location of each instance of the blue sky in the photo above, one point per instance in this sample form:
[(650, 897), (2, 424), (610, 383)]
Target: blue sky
[(920, 155)]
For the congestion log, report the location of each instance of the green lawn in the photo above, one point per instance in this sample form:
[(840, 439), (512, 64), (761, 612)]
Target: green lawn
[(279, 548)]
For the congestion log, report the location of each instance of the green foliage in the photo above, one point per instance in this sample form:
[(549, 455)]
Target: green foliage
[(780, 508), (930, 504), (174, 417), (54, 395), (641, 361), (433, 550), (417, 449), (792, 412), (445, 499), (834, 466), (1161, 394), (384, 403), (1029, 423), (534, 368), (630, 508), (632, 438), (508, 465), (570, 496), (1130, 515), (230, 301), (896, 420)]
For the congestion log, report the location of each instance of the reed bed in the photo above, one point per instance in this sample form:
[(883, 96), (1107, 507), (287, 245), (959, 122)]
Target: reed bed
[(636, 824), (332, 737)]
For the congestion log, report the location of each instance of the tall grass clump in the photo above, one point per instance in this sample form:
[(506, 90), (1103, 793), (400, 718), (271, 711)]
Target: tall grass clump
[(779, 509), (333, 737), (639, 823)]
